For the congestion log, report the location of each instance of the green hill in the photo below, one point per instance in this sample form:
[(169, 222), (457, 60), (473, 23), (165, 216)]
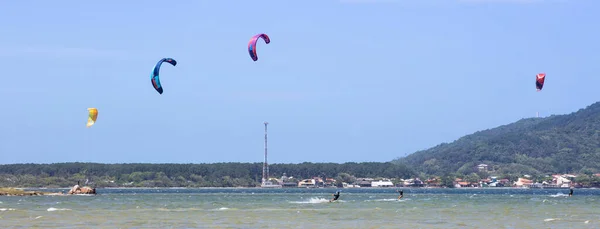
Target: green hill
[(536, 146)]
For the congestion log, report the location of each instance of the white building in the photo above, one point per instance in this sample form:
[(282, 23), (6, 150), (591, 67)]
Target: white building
[(307, 183), (346, 185), (382, 183), (482, 167), (562, 180)]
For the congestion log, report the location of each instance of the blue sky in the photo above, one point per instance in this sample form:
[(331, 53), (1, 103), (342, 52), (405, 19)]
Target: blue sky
[(346, 80)]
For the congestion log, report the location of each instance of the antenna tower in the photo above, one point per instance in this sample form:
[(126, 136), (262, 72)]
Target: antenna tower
[(265, 165)]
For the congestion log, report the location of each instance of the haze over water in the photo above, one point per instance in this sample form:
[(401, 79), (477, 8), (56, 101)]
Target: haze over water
[(306, 208)]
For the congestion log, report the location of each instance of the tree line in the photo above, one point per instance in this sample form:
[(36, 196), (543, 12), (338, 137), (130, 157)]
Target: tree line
[(188, 175)]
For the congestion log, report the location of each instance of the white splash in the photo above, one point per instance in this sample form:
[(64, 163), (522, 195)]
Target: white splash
[(559, 195), (313, 200)]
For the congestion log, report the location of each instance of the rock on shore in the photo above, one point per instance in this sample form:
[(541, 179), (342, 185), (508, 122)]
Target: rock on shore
[(81, 190)]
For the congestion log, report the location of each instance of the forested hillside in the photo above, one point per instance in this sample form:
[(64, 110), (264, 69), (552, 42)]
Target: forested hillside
[(536, 146)]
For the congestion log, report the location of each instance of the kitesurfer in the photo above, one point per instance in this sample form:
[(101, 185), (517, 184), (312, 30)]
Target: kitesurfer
[(401, 194), (571, 191), (335, 196)]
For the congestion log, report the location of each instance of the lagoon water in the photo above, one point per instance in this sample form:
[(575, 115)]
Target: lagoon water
[(306, 208)]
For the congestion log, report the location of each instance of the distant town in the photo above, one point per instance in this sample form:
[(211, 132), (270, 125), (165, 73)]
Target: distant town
[(551, 181), (558, 181)]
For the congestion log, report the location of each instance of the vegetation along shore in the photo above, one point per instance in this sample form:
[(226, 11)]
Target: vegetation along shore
[(555, 151)]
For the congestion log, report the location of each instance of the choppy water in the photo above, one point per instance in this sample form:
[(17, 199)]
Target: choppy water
[(306, 208)]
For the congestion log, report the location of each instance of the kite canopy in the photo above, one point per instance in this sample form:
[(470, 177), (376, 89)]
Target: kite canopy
[(155, 78), (92, 116), (539, 81), (252, 44)]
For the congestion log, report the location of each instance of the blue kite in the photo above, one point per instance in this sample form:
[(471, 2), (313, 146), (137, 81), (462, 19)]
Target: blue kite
[(154, 77)]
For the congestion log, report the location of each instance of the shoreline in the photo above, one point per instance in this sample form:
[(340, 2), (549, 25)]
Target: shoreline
[(22, 192), (67, 188), (19, 191)]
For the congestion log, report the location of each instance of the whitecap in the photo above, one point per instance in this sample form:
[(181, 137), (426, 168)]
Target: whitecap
[(6, 209)]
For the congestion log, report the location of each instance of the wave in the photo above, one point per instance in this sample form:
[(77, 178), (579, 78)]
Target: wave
[(386, 200), (188, 209), (58, 209), (174, 209), (83, 194), (7, 209)]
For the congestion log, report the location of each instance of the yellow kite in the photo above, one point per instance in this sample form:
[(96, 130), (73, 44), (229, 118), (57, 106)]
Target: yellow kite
[(92, 117)]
